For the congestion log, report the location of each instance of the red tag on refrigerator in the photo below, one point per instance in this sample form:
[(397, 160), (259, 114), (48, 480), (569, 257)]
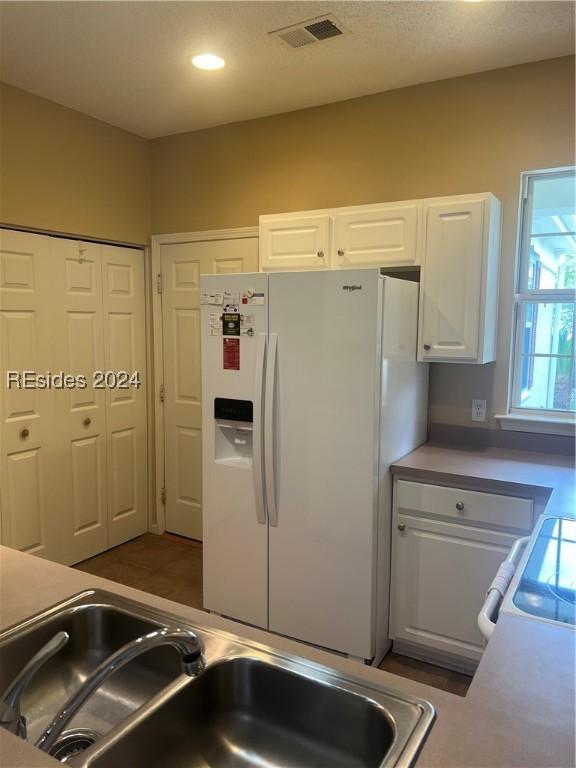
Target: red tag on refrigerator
[(231, 351)]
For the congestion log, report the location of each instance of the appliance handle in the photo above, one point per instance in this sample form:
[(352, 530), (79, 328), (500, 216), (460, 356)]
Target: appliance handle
[(497, 589), (269, 412), (257, 468)]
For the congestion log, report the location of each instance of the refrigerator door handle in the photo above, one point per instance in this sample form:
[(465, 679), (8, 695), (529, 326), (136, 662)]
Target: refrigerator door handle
[(269, 413), (257, 468)]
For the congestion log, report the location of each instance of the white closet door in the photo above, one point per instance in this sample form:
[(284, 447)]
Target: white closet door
[(76, 298), (125, 350), (182, 264), (28, 469)]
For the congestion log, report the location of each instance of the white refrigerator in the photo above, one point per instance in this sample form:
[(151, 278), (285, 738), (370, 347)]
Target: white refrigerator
[(310, 390)]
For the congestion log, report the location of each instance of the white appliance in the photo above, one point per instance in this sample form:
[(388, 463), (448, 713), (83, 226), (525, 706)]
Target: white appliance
[(310, 390), (537, 579)]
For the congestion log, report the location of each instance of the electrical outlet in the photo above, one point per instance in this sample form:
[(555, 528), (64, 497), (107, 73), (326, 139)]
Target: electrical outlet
[(478, 410)]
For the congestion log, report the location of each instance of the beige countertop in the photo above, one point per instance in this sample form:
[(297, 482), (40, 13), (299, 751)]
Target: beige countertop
[(520, 708), (543, 476)]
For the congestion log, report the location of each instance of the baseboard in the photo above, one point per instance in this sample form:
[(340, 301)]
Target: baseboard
[(439, 658)]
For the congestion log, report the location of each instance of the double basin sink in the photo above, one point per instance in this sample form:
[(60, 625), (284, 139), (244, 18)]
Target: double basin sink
[(251, 706)]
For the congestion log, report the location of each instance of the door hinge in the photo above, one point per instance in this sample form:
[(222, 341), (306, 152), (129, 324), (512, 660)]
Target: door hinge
[(162, 393), (163, 496), (159, 282)]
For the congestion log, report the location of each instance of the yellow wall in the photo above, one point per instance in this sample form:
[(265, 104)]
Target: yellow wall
[(66, 172), (468, 134)]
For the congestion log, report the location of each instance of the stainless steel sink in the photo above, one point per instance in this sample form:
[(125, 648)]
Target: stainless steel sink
[(245, 712), (96, 629), (252, 706)]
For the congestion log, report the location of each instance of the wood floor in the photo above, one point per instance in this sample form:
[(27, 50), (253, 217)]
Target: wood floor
[(171, 566)]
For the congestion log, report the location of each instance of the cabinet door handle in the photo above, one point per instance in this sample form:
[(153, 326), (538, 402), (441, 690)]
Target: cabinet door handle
[(340, 252), (87, 421), (320, 254), (427, 347), (401, 527), (24, 434), (459, 506)]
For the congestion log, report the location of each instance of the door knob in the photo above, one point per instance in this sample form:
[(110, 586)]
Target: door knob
[(24, 434), (427, 347), (401, 527), (87, 421), (459, 506)]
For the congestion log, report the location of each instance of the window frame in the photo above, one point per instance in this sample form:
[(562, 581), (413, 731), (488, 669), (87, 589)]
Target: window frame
[(522, 296)]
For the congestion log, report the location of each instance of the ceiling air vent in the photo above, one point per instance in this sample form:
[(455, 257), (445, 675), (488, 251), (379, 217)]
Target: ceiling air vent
[(311, 31)]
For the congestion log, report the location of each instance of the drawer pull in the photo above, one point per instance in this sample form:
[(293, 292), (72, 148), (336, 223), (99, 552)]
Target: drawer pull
[(320, 254), (427, 347), (401, 527), (24, 434), (459, 506)]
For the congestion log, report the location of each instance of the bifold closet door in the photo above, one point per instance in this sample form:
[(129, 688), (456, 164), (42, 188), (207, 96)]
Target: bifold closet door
[(29, 474), (125, 351), (73, 460), (80, 433)]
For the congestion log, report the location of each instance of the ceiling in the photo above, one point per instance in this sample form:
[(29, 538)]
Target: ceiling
[(128, 63)]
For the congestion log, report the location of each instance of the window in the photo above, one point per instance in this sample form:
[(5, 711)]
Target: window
[(544, 375)]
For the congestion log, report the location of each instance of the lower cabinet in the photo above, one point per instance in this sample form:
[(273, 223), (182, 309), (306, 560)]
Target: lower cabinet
[(441, 574)]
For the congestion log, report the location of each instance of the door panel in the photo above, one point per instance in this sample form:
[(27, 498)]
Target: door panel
[(125, 350), (380, 236), (182, 264), (29, 480), (322, 549), (235, 540), (76, 297), (295, 243), (452, 278), (440, 577), (26, 511)]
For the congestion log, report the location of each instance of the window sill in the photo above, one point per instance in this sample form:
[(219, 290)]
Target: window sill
[(545, 425)]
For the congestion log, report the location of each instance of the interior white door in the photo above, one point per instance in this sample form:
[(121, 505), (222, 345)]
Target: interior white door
[(441, 572), (181, 265), (377, 235), (289, 242), (451, 278), (29, 467), (322, 546), (125, 352)]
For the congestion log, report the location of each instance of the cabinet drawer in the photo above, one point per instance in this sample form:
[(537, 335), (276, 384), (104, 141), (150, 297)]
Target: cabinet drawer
[(465, 506)]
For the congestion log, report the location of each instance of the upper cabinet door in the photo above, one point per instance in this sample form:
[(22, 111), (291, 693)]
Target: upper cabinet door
[(379, 235), (459, 289), (293, 243)]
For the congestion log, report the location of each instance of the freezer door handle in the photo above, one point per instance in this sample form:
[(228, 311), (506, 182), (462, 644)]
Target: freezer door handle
[(257, 464), (269, 413)]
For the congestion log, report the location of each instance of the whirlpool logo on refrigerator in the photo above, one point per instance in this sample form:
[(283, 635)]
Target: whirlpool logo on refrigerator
[(351, 288)]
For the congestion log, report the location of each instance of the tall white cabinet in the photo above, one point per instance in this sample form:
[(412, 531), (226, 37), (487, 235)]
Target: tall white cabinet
[(459, 279), (72, 460)]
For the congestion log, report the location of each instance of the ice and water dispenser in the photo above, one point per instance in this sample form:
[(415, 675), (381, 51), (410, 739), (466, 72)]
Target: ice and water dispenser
[(233, 422)]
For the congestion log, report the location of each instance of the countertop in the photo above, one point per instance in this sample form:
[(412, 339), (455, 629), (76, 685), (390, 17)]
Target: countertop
[(542, 476), (520, 707)]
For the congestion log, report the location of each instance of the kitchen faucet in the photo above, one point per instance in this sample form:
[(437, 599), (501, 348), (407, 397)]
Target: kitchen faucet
[(184, 641), (10, 716)]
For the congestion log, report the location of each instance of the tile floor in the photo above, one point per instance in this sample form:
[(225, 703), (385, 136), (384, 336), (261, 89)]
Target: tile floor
[(171, 566)]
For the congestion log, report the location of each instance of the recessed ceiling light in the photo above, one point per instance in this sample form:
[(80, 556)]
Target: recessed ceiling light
[(208, 61)]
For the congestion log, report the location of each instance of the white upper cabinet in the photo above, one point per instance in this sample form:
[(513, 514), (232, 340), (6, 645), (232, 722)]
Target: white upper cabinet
[(376, 235), (295, 241), (459, 279)]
